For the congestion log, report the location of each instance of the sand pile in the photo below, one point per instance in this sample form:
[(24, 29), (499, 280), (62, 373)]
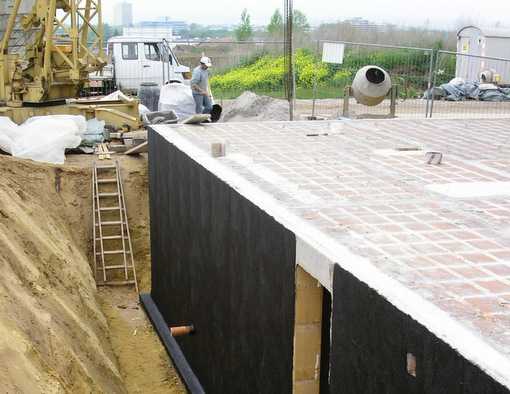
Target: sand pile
[(249, 107), (56, 329)]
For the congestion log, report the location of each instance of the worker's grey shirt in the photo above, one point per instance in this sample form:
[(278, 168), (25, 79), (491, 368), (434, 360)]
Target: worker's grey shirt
[(199, 77)]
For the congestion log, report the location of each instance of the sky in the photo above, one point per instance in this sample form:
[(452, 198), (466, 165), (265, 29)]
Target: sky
[(433, 14)]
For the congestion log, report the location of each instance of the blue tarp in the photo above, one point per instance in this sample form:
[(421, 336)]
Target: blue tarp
[(470, 90)]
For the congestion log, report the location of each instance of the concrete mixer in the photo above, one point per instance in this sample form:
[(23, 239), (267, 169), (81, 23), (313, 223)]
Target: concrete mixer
[(370, 87)]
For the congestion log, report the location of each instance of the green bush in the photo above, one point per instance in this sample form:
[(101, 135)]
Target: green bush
[(267, 73)]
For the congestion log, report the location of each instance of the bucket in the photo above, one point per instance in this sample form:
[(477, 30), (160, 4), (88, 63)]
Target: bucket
[(148, 93), (488, 76), (165, 117), (216, 112)]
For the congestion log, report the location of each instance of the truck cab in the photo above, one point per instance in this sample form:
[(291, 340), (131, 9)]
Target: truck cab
[(135, 60)]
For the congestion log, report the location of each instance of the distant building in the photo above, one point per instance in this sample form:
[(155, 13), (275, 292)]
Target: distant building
[(123, 14), (177, 26), (366, 25), (151, 29)]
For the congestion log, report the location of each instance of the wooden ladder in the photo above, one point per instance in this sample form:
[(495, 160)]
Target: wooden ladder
[(113, 254)]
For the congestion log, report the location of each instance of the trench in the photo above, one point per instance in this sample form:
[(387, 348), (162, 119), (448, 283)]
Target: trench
[(59, 332)]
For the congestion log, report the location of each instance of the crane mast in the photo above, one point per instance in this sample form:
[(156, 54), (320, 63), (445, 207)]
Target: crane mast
[(61, 46)]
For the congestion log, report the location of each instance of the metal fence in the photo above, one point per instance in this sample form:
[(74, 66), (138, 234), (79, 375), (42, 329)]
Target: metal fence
[(420, 79), (478, 86), (414, 72), (409, 70)]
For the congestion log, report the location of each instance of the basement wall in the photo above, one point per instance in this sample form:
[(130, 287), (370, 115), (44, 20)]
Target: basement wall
[(223, 265), (374, 345), (226, 266)]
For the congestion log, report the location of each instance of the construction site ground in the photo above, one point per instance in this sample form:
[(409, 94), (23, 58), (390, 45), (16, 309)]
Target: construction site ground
[(58, 332)]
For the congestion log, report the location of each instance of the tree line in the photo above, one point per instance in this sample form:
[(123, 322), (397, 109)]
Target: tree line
[(303, 35), (244, 32), (274, 28)]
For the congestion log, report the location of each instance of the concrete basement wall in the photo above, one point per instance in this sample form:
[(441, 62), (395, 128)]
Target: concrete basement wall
[(221, 263), (376, 348)]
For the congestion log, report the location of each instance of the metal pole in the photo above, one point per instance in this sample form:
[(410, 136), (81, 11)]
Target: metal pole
[(429, 82), (289, 85), (434, 84), (315, 79)]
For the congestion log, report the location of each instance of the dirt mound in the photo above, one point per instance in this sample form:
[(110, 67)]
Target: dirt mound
[(249, 107), (58, 333)]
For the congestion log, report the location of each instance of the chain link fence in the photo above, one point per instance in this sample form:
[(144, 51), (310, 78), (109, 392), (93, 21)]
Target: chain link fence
[(477, 87)]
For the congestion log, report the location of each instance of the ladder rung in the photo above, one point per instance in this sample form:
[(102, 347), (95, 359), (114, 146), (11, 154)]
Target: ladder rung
[(107, 181), (108, 194), (124, 282), (109, 209), (113, 252), (108, 237), (106, 167), (115, 267), (117, 223)]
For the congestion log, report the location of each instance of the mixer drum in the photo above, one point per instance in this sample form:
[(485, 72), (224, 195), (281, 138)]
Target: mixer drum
[(371, 85)]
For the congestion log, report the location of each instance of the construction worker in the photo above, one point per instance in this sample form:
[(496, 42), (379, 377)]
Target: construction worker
[(199, 86)]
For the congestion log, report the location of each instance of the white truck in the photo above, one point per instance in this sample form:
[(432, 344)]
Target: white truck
[(136, 60)]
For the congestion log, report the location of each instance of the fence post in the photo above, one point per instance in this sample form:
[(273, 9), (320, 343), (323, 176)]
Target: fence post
[(393, 101), (429, 81), (347, 96), (436, 71)]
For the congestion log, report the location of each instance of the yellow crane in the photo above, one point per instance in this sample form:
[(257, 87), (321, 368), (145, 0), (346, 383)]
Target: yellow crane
[(58, 61), (46, 57)]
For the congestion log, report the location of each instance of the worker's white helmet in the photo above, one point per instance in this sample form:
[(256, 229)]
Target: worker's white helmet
[(206, 61)]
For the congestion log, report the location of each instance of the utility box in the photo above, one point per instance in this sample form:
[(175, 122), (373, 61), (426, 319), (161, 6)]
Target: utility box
[(479, 52)]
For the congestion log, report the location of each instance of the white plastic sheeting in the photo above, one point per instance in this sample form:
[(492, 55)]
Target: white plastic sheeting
[(42, 138), (178, 98)]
